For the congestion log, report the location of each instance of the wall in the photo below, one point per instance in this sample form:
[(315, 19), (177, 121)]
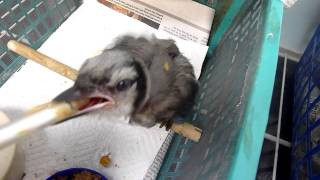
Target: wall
[(299, 23)]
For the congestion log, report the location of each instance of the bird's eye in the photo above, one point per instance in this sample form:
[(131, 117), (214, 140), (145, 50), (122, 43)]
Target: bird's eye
[(123, 84)]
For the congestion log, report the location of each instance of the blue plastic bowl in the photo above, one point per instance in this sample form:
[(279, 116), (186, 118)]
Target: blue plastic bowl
[(71, 171)]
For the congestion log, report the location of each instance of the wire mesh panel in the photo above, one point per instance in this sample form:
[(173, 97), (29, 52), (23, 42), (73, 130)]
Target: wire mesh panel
[(31, 21), (222, 104), (306, 128)]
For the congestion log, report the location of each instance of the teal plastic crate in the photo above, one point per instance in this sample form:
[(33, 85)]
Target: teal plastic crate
[(235, 85), (235, 93)]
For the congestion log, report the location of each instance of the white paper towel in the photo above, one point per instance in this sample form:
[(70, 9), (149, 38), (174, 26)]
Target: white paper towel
[(82, 141)]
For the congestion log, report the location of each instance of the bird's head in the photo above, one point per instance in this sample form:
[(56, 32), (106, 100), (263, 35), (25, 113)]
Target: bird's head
[(113, 76)]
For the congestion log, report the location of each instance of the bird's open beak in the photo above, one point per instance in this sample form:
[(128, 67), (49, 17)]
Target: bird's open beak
[(97, 100)]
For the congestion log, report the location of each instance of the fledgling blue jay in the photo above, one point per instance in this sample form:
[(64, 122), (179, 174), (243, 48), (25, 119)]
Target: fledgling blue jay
[(148, 80)]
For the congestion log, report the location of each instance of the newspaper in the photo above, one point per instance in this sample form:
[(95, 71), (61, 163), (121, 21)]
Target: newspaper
[(185, 19)]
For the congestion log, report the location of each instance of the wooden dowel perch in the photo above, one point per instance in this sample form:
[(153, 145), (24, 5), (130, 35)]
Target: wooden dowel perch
[(42, 59), (185, 129)]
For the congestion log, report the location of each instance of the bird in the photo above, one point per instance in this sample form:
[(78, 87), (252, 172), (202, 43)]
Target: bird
[(146, 79)]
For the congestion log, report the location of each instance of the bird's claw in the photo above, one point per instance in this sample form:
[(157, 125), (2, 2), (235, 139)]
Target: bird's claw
[(167, 124)]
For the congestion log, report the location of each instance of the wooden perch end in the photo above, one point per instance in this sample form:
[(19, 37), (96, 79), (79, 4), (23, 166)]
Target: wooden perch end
[(187, 130)]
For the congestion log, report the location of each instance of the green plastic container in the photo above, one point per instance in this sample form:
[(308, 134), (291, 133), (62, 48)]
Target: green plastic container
[(236, 83)]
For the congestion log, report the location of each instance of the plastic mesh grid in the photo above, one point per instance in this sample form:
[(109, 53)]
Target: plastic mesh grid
[(30, 21)]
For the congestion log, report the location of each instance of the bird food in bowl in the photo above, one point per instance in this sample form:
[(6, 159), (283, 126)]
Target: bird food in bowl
[(77, 174)]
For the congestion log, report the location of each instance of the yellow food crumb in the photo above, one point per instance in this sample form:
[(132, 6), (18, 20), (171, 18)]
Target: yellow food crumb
[(105, 161), (166, 66)]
